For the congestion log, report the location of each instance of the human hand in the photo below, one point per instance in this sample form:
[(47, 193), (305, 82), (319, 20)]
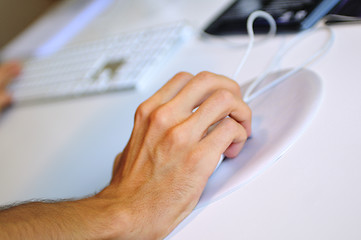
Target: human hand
[(8, 72), (159, 177)]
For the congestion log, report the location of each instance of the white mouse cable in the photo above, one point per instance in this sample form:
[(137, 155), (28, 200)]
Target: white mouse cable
[(272, 32), (249, 94)]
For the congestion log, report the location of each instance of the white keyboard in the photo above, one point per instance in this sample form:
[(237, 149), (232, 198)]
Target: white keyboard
[(113, 63)]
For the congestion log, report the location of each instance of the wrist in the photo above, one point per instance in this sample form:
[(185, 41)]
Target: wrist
[(129, 217), (109, 220)]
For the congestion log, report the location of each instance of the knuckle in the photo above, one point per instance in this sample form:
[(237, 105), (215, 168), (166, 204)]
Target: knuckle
[(236, 87), (143, 111), (233, 126), (224, 96), (242, 134), (182, 75), (209, 78), (160, 117), (247, 112), (238, 129), (205, 76), (229, 123), (177, 137)]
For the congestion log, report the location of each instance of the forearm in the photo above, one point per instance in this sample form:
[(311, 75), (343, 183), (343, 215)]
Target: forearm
[(83, 219)]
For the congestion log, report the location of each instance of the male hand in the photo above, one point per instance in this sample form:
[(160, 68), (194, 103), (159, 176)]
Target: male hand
[(8, 72), (159, 177)]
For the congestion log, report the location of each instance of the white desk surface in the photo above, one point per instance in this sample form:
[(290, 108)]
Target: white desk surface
[(66, 149)]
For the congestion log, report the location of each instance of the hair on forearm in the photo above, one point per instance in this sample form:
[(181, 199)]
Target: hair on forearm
[(15, 204)]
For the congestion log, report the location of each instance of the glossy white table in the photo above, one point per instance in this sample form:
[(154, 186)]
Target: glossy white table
[(66, 149)]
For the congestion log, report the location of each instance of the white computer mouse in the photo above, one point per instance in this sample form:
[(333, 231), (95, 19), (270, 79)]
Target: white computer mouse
[(280, 116)]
